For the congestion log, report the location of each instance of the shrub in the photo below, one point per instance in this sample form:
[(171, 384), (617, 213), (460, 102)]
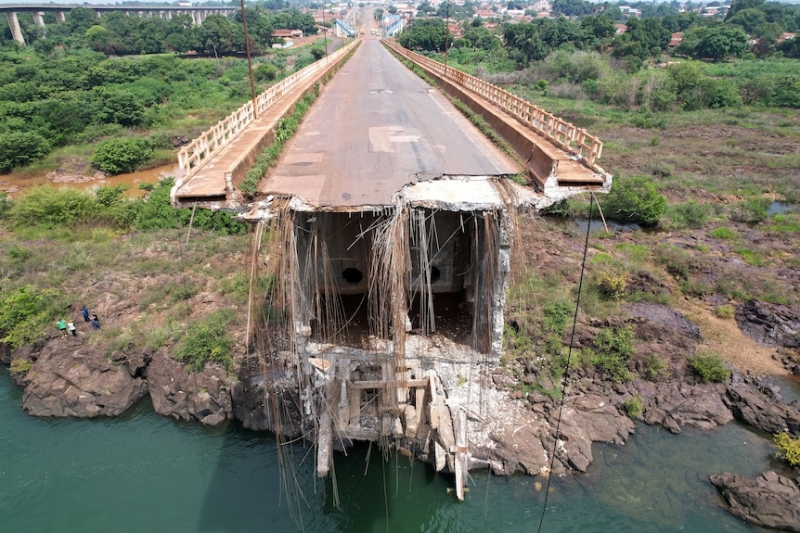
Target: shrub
[(266, 72), (26, 314), (752, 211), (612, 281), (653, 368), (20, 366), (788, 448), (633, 407), (636, 200), (116, 156), (709, 367), (48, 205), (613, 349), (207, 341), (556, 316), (691, 214)]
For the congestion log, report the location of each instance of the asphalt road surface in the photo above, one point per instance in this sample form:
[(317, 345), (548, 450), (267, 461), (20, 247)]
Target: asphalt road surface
[(375, 128)]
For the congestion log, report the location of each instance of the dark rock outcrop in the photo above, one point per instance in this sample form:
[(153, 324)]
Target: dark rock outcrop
[(769, 500), (587, 419), (674, 405), (771, 324), (71, 379), (760, 410), (175, 392)]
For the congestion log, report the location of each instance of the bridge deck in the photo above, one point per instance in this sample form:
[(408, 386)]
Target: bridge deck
[(375, 128)]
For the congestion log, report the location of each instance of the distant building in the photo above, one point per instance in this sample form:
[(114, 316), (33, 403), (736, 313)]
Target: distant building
[(785, 37), (675, 40), (621, 28)]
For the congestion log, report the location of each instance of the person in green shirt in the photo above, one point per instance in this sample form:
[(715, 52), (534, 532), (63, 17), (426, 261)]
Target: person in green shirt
[(62, 327)]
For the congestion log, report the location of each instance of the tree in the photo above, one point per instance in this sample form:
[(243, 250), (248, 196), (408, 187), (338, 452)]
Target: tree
[(719, 42), (18, 148), (116, 156)]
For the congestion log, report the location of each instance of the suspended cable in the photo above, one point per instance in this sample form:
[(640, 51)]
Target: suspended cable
[(566, 369)]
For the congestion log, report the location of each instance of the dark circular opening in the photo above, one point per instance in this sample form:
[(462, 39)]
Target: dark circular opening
[(352, 275), (435, 274)]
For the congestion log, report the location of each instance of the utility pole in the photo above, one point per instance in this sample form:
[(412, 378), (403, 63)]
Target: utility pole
[(249, 62)]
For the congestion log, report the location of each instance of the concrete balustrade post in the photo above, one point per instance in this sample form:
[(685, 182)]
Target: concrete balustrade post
[(13, 23)]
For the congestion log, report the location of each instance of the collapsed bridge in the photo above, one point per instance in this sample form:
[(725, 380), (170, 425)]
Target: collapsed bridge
[(385, 231)]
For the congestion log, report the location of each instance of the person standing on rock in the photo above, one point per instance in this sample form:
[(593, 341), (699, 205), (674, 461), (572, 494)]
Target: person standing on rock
[(85, 313), (95, 322), (72, 329), (62, 327)]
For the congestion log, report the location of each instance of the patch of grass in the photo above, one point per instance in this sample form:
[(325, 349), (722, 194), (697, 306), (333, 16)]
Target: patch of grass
[(709, 368), (208, 340), (751, 211), (751, 257), (725, 311), (723, 233)]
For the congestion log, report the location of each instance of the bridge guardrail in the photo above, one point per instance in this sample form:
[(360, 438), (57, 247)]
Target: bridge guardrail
[(192, 156), (558, 131)]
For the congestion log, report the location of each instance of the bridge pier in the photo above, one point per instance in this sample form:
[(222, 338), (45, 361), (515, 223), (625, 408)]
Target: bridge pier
[(60, 18), (38, 18), (16, 30)]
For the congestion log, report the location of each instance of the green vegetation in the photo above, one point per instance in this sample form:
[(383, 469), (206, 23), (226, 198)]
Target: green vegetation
[(20, 366), (115, 156), (28, 314), (725, 311), (633, 407), (788, 448), (612, 351), (723, 233), (634, 199), (709, 368), (208, 341)]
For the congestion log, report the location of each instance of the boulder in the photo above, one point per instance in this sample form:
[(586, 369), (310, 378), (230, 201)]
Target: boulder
[(674, 405), (769, 500), (766, 412), (71, 379), (587, 419), (771, 324), (204, 396)]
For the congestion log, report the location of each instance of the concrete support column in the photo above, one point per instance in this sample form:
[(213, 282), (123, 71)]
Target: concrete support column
[(60, 18), (98, 14), (38, 18), (13, 23)]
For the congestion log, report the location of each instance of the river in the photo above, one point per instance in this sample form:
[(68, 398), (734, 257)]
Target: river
[(143, 472), (131, 180)]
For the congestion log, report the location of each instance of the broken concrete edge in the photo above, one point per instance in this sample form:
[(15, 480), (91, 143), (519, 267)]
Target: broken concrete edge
[(233, 196), (446, 193), (540, 165)]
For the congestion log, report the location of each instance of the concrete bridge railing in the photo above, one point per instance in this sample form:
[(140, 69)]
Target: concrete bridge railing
[(192, 156), (563, 134)]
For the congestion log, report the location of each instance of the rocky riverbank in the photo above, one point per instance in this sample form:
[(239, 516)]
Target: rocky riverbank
[(517, 404)]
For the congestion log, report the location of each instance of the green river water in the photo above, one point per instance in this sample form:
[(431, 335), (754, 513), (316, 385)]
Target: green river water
[(144, 472)]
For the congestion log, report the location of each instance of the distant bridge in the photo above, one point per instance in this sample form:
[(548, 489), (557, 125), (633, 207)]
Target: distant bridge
[(198, 14)]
